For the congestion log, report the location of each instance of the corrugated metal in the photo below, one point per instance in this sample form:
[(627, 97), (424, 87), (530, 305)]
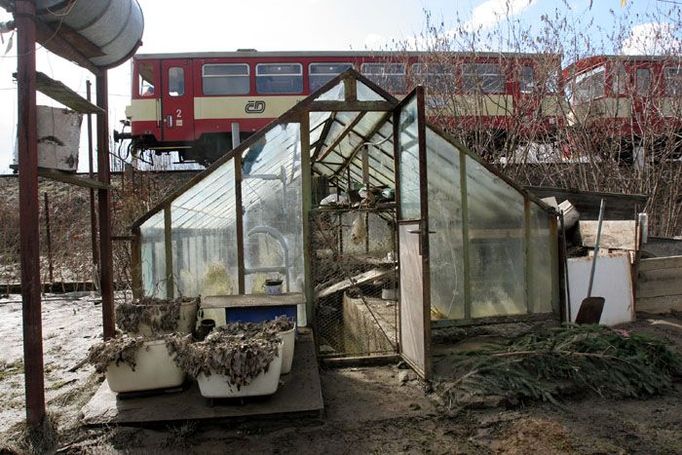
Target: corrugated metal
[(114, 26)]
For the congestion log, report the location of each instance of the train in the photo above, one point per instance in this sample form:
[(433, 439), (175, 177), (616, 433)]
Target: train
[(194, 103), (627, 98)]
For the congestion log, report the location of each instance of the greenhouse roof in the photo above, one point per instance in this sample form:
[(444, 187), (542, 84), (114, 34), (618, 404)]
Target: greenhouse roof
[(343, 117)]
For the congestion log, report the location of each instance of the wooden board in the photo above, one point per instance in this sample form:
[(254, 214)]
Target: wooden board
[(239, 301), (357, 280), (299, 392), (615, 234), (618, 206), (659, 285)]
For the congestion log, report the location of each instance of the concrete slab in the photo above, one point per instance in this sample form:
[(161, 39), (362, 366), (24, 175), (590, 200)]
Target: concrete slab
[(299, 392)]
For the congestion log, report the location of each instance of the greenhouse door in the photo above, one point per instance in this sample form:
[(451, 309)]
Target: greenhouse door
[(413, 232)]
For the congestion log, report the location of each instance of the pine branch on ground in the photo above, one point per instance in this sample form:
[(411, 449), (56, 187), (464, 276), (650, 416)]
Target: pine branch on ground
[(557, 362)]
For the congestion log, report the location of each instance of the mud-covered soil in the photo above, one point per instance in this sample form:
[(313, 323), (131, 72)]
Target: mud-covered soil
[(368, 410)]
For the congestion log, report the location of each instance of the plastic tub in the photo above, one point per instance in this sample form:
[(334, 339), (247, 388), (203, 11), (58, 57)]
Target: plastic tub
[(154, 369), (216, 385), (288, 338)]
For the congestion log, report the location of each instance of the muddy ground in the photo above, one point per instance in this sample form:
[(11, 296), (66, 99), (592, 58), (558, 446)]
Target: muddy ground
[(368, 410)]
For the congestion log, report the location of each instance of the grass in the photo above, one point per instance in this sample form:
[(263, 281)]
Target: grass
[(8, 369)]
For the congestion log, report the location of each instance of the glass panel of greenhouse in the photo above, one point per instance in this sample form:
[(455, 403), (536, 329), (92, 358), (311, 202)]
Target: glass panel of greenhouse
[(312, 199)]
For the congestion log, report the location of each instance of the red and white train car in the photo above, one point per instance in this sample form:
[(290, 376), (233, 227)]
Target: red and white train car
[(625, 97), (193, 102)]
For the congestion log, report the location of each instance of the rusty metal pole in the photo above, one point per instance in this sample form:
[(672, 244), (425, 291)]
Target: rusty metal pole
[(29, 220), (48, 239), (93, 213), (106, 265)]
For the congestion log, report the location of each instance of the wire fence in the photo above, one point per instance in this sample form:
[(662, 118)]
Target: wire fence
[(66, 256), (355, 278)]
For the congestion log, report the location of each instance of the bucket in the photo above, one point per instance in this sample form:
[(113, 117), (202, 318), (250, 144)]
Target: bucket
[(273, 287)]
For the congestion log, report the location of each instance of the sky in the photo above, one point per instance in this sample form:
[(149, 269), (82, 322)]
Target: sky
[(286, 25)]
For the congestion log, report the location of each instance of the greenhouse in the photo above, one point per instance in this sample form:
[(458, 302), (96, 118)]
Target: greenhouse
[(379, 224)]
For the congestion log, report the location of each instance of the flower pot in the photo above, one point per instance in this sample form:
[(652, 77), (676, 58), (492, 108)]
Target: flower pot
[(188, 316), (273, 287), (154, 369), (217, 386), (288, 338)]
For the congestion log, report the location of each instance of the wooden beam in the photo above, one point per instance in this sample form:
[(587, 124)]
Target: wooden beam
[(357, 148), (106, 270), (54, 42), (351, 106), (306, 206), (343, 134), (60, 92), (72, 179), (27, 142), (357, 280), (325, 131)]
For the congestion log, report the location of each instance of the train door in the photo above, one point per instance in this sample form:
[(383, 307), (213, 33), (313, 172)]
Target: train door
[(177, 103)]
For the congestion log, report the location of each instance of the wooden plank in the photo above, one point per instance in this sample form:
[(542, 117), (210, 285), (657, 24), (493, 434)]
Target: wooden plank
[(63, 94), (646, 289), (646, 265), (615, 234), (618, 206), (351, 106), (670, 273), (357, 280), (663, 304), (662, 247), (73, 179), (300, 391), (240, 301)]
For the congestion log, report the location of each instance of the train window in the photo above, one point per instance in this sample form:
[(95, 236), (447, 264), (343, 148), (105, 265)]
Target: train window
[(176, 81), (673, 81), (620, 80), (321, 73), (588, 85), (643, 76), (225, 79), (526, 79), (389, 76), (145, 81), (279, 78), (482, 77), (438, 77)]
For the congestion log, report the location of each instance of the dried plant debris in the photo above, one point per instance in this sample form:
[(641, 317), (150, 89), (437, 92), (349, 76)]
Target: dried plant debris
[(239, 351), (279, 324), (121, 349), (160, 314), (569, 360)]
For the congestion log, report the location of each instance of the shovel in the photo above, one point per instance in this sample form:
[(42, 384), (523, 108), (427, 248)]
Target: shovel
[(592, 307)]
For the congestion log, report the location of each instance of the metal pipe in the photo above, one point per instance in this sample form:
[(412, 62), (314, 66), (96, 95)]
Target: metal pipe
[(29, 214), (103, 205), (596, 248)]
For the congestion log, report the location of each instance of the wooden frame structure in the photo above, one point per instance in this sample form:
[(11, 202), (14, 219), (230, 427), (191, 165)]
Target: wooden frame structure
[(70, 45), (319, 146)]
